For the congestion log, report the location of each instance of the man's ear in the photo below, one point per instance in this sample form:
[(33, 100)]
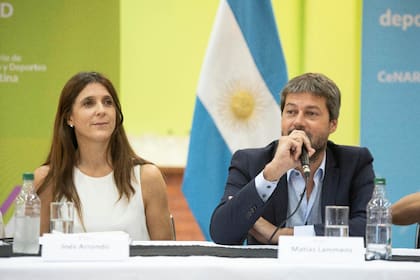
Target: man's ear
[(333, 125)]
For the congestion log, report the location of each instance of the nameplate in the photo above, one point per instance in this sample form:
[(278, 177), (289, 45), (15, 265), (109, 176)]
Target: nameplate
[(320, 249), (100, 246)]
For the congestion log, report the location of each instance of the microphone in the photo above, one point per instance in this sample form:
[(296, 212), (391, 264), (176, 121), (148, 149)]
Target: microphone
[(304, 160)]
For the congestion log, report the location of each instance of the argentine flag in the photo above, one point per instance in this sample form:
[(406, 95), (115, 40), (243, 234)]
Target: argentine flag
[(237, 103)]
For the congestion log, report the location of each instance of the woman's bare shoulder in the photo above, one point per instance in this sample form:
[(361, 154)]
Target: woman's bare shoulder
[(39, 175), (150, 172), (151, 178), (42, 171)]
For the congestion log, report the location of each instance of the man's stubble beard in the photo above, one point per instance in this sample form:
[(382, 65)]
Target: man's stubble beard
[(319, 144)]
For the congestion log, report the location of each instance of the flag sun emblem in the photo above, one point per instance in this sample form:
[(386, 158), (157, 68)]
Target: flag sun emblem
[(241, 106)]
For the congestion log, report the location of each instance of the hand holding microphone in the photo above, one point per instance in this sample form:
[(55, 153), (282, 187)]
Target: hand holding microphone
[(304, 159), (286, 156)]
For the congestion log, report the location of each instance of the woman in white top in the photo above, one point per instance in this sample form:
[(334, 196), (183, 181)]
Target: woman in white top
[(92, 164)]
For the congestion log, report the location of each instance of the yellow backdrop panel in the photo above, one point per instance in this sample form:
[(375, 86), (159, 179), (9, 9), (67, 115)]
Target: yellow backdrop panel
[(163, 46)]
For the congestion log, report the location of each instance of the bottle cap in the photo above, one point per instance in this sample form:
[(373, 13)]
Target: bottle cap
[(28, 176), (380, 181)]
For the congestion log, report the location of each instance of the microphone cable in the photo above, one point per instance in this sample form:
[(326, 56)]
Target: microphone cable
[(294, 211)]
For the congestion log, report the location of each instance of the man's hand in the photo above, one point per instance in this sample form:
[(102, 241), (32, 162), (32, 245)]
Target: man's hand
[(262, 231), (287, 154)]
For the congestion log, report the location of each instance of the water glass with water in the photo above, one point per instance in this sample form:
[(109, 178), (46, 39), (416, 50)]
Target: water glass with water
[(337, 221), (61, 217)]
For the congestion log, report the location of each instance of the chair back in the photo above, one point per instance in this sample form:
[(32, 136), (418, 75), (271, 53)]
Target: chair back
[(173, 226)]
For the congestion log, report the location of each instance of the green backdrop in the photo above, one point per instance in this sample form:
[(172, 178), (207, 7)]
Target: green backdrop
[(42, 44)]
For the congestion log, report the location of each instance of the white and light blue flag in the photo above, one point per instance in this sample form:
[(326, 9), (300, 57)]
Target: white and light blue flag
[(237, 103)]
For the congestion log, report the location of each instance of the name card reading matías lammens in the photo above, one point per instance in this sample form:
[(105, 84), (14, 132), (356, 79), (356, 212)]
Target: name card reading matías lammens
[(92, 246), (320, 249)]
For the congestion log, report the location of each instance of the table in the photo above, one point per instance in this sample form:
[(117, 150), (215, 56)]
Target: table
[(203, 267)]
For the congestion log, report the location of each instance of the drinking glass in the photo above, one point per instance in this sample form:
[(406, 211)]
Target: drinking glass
[(61, 217), (337, 221)]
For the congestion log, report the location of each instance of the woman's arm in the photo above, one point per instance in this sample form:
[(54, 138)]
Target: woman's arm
[(406, 211), (155, 203)]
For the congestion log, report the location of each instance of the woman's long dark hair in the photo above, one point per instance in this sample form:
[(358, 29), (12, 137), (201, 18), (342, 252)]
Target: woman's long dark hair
[(62, 156)]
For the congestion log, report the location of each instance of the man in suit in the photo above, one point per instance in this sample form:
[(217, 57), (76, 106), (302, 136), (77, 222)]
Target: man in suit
[(265, 185)]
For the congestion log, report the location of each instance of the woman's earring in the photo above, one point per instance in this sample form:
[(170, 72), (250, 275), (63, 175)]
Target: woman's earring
[(71, 125)]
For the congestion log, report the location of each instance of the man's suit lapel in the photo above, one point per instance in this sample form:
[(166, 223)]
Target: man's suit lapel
[(279, 199), (276, 209), (330, 184), (283, 201)]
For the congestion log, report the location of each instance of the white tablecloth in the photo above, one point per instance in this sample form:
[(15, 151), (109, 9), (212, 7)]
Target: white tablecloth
[(203, 267)]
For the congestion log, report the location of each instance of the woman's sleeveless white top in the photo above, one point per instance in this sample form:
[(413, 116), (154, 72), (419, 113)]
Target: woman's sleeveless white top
[(102, 211)]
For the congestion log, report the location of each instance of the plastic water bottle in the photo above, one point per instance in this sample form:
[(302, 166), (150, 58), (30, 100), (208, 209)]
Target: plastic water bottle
[(1, 226), (27, 218), (379, 221)]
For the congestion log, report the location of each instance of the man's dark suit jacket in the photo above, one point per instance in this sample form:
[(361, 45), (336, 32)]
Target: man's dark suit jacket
[(348, 180)]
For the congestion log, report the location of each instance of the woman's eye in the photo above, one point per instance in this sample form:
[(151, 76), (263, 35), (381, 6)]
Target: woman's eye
[(108, 102), (88, 103)]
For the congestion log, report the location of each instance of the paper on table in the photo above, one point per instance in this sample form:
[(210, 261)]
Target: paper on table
[(92, 246)]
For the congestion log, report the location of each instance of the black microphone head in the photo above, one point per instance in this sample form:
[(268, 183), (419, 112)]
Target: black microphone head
[(306, 170), (304, 160)]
